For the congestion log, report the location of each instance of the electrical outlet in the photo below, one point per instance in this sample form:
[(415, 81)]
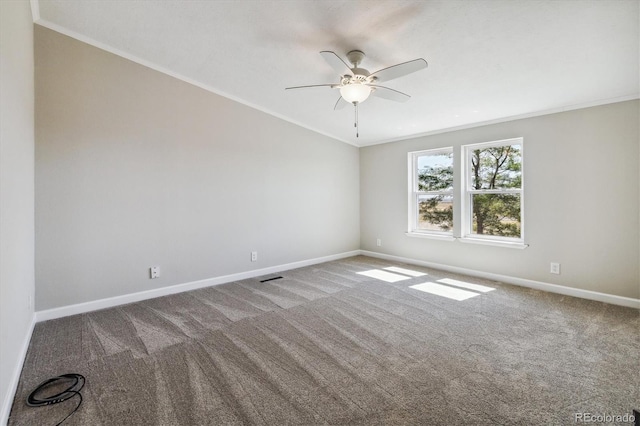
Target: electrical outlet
[(154, 272), (379, 242), (555, 268), (254, 256)]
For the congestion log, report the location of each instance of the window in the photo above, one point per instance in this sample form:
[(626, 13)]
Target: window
[(487, 203), (431, 199), (492, 191)]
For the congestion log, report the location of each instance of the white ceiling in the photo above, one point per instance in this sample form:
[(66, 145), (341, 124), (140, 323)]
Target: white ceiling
[(488, 60)]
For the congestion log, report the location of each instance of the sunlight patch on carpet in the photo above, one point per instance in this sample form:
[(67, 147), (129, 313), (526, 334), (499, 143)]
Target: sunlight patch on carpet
[(468, 286), (445, 291), (405, 271), (383, 275)]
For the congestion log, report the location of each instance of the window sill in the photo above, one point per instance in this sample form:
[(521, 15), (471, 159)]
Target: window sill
[(496, 243), (431, 236), (469, 240)]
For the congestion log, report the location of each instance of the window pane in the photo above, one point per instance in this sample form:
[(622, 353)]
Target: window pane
[(435, 212), (496, 214), (435, 172), (497, 167)]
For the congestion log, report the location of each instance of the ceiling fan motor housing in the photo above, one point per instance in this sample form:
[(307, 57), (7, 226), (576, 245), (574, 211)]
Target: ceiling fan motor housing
[(360, 76), (360, 73)]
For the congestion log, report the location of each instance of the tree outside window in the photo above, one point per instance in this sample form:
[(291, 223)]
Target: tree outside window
[(433, 191), (494, 189)]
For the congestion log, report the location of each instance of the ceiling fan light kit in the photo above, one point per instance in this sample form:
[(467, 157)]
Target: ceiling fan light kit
[(357, 84), (355, 92)]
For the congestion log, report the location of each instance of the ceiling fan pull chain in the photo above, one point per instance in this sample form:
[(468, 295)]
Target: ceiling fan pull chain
[(355, 115), (356, 123)]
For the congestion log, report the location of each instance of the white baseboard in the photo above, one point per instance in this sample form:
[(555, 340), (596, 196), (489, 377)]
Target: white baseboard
[(15, 377), (522, 282), (179, 288), (95, 305)]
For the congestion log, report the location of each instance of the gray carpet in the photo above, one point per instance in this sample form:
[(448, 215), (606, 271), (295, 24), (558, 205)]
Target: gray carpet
[(327, 345)]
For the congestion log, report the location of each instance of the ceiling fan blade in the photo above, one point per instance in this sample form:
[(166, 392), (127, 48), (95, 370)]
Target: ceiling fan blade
[(336, 62), (399, 70), (313, 85), (340, 104), (387, 93)]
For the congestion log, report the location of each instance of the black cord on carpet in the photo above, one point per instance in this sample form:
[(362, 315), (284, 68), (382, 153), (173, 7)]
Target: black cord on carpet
[(77, 384)]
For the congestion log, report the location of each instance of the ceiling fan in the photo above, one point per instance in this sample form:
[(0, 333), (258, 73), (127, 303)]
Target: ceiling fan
[(357, 84)]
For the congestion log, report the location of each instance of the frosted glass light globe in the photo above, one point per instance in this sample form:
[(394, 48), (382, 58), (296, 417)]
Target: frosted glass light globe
[(355, 92)]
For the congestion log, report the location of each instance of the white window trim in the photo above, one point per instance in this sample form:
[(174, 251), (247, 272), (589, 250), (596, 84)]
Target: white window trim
[(491, 242), (433, 236), (412, 225), (466, 235)]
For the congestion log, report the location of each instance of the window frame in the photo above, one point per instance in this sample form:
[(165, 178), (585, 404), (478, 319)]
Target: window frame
[(414, 194), (467, 193)]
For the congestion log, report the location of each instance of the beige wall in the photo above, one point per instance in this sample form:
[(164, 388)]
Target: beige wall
[(135, 168), (581, 200), (16, 192)]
